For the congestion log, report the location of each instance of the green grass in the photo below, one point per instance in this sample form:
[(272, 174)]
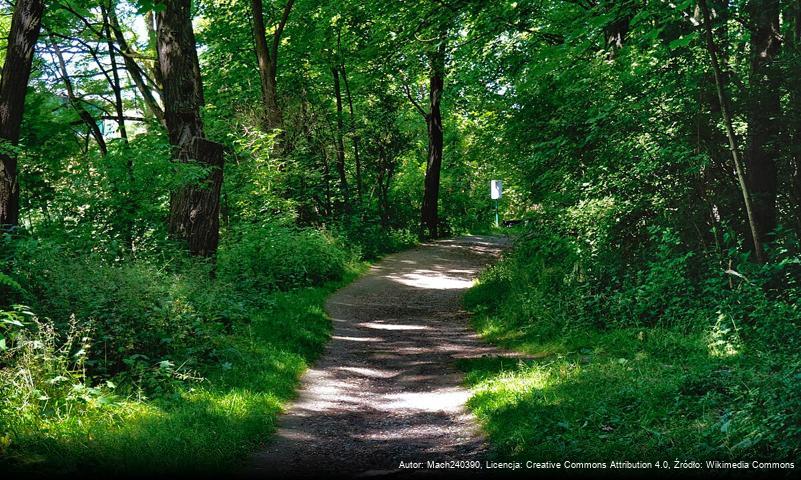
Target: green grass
[(206, 427), (631, 394)]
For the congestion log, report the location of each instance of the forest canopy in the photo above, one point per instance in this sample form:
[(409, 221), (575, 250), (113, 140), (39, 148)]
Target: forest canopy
[(170, 168)]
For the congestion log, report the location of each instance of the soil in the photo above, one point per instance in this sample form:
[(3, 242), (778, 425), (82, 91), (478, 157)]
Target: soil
[(387, 390)]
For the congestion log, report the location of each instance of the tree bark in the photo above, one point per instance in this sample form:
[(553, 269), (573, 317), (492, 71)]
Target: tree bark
[(267, 56), (764, 111), (26, 23), (429, 216), (725, 112), (340, 144), (194, 209)]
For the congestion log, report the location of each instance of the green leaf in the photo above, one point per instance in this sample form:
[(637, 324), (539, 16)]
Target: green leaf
[(682, 41)]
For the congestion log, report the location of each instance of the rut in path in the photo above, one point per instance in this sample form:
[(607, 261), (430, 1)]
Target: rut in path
[(386, 388)]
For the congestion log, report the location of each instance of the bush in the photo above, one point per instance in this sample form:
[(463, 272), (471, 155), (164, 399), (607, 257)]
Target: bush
[(135, 310), (371, 239), (268, 258)]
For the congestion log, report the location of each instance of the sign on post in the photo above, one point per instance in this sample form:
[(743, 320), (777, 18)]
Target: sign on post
[(496, 189)]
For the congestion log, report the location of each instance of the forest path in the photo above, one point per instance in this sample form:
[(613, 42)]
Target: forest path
[(387, 389)]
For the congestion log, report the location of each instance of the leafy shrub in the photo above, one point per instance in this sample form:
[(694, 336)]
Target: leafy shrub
[(133, 308), (268, 258), (371, 239)]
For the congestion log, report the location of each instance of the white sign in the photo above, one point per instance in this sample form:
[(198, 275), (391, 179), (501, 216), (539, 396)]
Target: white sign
[(496, 189)]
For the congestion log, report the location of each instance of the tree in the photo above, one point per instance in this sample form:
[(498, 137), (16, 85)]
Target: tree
[(194, 208), (136, 73), (340, 145), (753, 223), (764, 111), (76, 103), (793, 50), (267, 56), (25, 26), (429, 214)]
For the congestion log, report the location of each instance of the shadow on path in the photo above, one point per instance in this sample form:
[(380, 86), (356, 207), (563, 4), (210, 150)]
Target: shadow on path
[(387, 389)]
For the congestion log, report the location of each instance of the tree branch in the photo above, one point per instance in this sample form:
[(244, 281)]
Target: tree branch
[(408, 92)]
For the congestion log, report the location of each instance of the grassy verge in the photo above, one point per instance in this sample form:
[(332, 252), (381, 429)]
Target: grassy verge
[(204, 427), (628, 394)]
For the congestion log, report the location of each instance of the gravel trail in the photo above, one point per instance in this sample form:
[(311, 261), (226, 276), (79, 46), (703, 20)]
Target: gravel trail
[(386, 389)]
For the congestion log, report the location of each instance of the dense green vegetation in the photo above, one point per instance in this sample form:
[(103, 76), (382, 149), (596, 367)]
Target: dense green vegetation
[(183, 182), (712, 377), (658, 326), (147, 370)]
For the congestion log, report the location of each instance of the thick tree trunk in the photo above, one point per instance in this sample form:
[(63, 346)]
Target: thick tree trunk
[(194, 209), (429, 217), (340, 144), (764, 110), (25, 26), (267, 56)]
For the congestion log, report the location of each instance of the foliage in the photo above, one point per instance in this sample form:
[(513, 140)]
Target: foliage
[(603, 120), (109, 427), (276, 258), (674, 357)]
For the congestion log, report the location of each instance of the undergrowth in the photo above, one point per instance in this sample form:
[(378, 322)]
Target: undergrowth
[(154, 365), (678, 357)]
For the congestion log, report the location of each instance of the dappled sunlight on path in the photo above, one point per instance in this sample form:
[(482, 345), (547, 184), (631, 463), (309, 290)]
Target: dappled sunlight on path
[(386, 389)]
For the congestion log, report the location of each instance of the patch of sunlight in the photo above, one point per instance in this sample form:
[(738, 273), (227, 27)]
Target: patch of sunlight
[(431, 280), (437, 401), (356, 339), (238, 404), (723, 339), (511, 385), (369, 372), (390, 326)]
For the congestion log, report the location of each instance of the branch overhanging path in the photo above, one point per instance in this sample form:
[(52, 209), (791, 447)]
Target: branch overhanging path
[(387, 388)]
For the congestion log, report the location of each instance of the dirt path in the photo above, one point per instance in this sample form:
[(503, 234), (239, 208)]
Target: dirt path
[(386, 389)]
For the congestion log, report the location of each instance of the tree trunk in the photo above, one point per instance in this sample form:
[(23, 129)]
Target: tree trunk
[(353, 133), (151, 24), (340, 144), (764, 111), (194, 209), (115, 75), (794, 113), (133, 68), (727, 120), (83, 114), (267, 56), (25, 25), (429, 217)]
